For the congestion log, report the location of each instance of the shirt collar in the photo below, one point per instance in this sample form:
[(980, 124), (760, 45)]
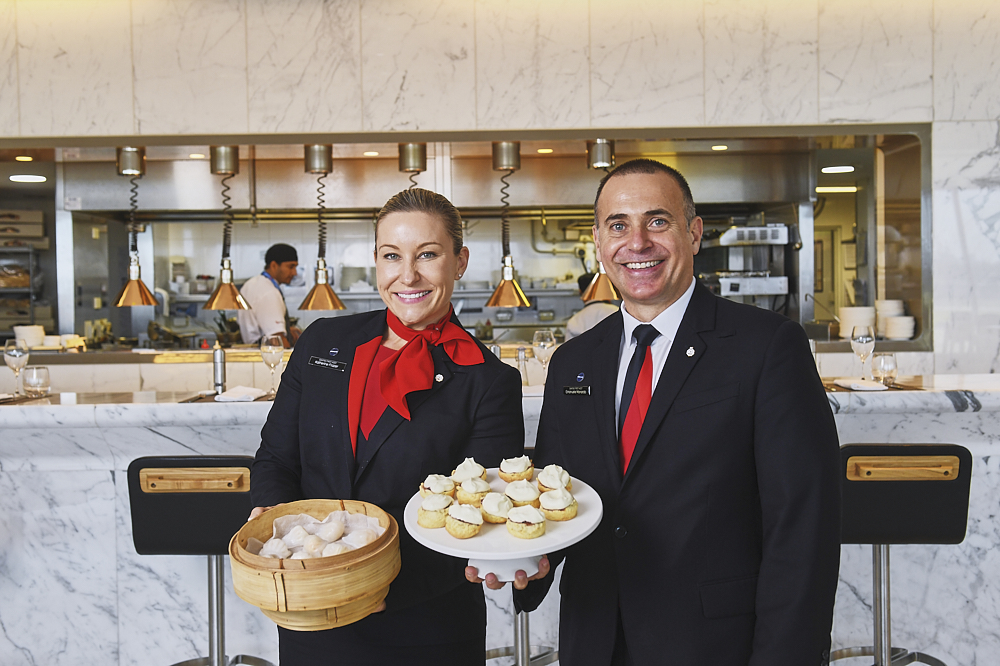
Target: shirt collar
[(273, 281), (666, 323)]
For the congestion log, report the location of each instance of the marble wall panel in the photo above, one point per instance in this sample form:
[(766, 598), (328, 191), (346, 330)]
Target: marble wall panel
[(74, 68), (190, 64), (304, 66), (966, 60), (163, 605), (55, 449), (9, 120), (57, 541), (966, 246), (418, 65), (531, 64), (761, 62), (875, 61), (647, 63)]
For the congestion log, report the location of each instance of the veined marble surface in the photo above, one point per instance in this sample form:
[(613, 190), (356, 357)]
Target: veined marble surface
[(76, 591)]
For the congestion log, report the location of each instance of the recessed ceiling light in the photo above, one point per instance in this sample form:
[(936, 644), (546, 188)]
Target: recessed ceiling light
[(371, 153), (544, 151), (197, 156), (25, 178), (836, 190), (24, 158), (838, 169), (720, 147)]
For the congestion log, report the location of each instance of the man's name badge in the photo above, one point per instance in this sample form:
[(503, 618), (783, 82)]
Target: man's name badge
[(576, 390), (327, 363)]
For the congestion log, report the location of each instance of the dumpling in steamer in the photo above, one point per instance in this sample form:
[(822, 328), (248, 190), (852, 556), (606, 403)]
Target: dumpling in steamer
[(313, 546), (295, 537), (301, 555), (360, 538), (335, 549), (275, 548), (330, 531)]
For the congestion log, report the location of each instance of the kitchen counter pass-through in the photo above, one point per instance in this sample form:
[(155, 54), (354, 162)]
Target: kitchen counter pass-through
[(75, 591)]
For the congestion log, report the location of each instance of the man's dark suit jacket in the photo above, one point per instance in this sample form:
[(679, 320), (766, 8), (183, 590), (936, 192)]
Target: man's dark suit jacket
[(305, 452), (721, 544)]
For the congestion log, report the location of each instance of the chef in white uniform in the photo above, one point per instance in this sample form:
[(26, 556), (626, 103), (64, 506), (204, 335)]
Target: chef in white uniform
[(593, 312), (268, 314)]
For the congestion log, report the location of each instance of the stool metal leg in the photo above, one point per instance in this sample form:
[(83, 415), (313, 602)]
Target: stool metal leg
[(883, 616), (521, 650), (884, 654), (216, 612)]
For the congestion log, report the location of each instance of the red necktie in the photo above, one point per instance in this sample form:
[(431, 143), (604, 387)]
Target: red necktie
[(637, 392)]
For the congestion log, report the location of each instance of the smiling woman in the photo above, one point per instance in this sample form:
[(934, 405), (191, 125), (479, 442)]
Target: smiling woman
[(409, 392)]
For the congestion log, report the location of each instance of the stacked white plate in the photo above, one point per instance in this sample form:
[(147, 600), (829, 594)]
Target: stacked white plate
[(857, 316), (884, 310), (899, 328)]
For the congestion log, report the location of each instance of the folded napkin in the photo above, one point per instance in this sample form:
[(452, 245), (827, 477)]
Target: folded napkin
[(6, 396), (240, 394), (538, 390), (860, 384)]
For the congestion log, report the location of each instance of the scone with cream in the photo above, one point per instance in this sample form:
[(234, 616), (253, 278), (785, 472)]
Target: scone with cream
[(437, 484), (467, 470), (463, 521), (516, 469), (522, 493), (472, 491), (553, 477), (558, 504), (525, 522), (433, 510), (495, 507)]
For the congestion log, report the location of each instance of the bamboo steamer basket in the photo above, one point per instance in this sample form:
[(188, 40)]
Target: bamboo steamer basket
[(320, 593)]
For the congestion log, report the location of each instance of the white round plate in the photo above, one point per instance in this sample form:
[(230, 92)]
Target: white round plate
[(494, 549)]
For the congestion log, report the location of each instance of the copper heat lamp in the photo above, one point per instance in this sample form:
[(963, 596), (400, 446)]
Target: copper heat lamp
[(319, 159), (225, 161), (508, 294), (600, 288), (132, 162)]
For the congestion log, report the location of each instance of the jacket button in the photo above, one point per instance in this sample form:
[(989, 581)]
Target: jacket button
[(621, 532)]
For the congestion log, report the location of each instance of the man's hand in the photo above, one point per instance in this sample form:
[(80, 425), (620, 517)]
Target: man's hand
[(521, 579)]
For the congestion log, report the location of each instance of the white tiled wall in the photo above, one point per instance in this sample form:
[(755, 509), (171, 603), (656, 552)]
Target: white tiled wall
[(123, 67)]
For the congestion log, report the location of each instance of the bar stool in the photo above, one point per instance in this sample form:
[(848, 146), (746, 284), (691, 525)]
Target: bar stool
[(900, 494), (192, 505)]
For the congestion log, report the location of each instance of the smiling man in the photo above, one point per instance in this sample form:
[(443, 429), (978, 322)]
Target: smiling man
[(705, 429)]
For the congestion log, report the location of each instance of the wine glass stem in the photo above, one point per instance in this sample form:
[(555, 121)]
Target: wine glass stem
[(17, 374), (272, 382)]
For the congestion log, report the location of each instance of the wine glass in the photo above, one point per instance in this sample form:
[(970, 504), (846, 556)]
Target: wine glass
[(272, 350), (884, 367), (863, 344), (543, 344), (15, 355)]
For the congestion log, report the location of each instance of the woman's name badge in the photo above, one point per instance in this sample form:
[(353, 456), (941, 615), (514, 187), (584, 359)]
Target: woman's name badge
[(576, 390), (327, 363)]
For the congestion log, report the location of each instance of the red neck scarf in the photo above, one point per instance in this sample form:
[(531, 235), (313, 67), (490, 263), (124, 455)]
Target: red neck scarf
[(411, 367)]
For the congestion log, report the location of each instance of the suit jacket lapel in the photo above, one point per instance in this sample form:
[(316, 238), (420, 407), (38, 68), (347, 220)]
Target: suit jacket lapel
[(391, 419), (344, 437), (700, 316), (604, 386)]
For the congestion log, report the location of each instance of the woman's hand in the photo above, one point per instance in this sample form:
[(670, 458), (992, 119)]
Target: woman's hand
[(521, 579), (257, 510)]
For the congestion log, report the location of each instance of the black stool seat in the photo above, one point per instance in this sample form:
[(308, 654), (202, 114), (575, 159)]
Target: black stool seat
[(900, 494), (192, 505)]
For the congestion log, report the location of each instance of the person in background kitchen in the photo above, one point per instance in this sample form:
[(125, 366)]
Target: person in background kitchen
[(707, 433), (267, 314), (592, 313), (371, 404)]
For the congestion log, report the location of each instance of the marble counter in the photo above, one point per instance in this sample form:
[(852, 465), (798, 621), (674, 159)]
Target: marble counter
[(75, 591)]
